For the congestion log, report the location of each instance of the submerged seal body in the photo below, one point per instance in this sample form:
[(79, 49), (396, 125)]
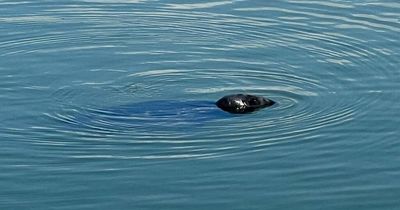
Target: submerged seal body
[(242, 103)]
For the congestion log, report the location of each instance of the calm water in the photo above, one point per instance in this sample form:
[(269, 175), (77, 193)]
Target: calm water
[(108, 104)]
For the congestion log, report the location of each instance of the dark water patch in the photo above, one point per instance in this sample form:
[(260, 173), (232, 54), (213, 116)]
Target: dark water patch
[(164, 115)]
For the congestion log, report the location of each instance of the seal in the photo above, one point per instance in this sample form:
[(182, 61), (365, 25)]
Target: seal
[(243, 103)]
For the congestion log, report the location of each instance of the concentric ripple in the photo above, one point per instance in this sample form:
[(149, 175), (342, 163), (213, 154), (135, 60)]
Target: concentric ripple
[(187, 57), (199, 129)]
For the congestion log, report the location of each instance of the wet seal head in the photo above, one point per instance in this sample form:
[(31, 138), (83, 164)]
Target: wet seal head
[(242, 103)]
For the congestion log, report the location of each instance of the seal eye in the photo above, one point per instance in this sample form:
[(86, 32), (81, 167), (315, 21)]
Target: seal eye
[(253, 102)]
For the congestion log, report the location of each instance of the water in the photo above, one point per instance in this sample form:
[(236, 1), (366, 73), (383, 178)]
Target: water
[(101, 104)]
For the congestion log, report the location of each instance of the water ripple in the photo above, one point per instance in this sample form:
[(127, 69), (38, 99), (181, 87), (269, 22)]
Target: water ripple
[(302, 56)]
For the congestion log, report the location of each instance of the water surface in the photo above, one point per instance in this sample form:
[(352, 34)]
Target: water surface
[(109, 104)]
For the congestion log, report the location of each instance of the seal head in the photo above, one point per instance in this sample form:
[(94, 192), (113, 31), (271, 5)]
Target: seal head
[(242, 103)]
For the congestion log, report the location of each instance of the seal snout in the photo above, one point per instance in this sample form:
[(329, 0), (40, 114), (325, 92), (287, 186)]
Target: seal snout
[(242, 103)]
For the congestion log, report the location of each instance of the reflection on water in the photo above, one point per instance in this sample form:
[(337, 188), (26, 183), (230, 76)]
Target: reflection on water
[(101, 98)]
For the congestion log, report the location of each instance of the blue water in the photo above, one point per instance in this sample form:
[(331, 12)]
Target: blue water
[(109, 104)]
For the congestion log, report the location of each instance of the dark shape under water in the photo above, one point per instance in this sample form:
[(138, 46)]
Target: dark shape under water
[(165, 110), (150, 115), (241, 103)]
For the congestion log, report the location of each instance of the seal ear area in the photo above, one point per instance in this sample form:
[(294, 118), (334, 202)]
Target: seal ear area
[(224, 104)]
